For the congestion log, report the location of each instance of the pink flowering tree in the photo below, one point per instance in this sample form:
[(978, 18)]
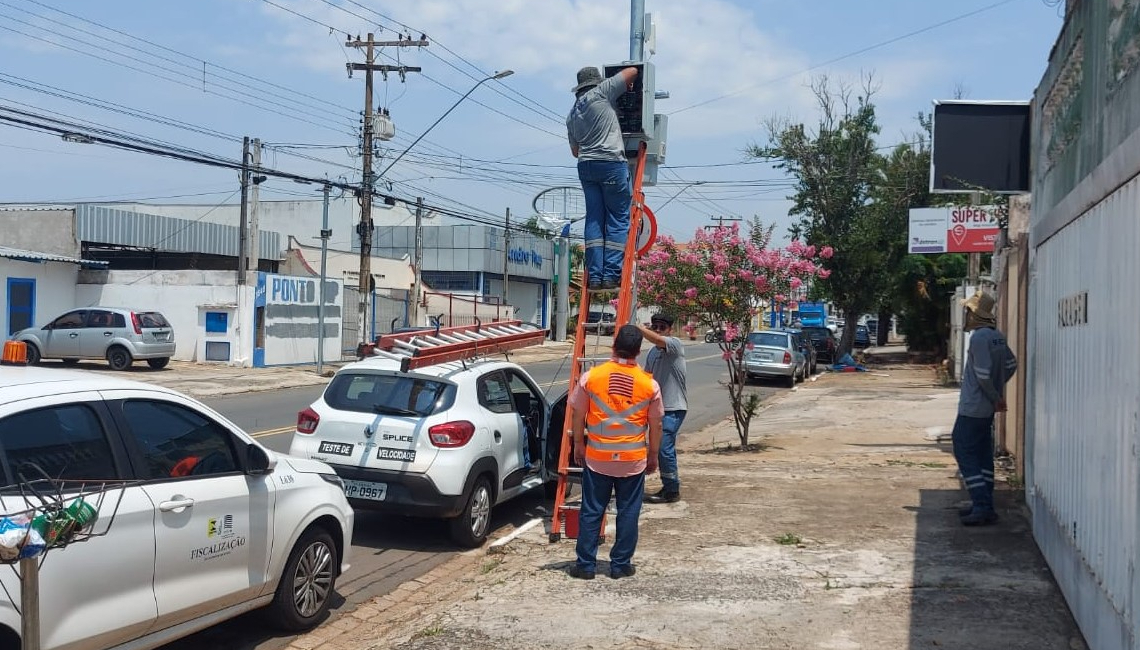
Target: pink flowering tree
[(724, 278)]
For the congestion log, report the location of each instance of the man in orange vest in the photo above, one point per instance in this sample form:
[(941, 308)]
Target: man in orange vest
[(617, 409)]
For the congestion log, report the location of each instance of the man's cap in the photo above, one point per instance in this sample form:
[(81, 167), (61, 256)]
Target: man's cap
[(587, 77), (627, 341), (663, 318), (981, 304)]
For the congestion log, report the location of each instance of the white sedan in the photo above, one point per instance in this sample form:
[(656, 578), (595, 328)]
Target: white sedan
[(199, 523)]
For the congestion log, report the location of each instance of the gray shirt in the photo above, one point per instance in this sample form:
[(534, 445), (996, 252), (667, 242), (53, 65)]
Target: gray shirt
[(989, 366), (592, 125), (667, 366)]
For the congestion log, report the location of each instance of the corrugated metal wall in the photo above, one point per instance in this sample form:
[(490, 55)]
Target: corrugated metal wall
[(97, 223), (1086, 377)]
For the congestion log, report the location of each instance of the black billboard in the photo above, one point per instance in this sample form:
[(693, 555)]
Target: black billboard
[(980, 146)]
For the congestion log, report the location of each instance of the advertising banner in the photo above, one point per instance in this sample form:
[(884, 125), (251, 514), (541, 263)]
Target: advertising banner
[(954, 229)]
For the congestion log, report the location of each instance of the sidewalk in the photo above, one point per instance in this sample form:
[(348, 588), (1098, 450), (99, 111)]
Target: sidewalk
[(840, 534)]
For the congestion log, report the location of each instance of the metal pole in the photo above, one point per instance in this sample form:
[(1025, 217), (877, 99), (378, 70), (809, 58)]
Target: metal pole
[(506, 256), (251, 244), (636, 30), (325, 234), (30, 603), (563, 286), (419, 255)]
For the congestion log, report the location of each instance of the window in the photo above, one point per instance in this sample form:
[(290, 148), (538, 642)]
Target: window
[(494, 394), (101, 319), (217, 322), (769, 339), (177, 441), (69, 321), (151, 319), (60, 442), (390, 394)]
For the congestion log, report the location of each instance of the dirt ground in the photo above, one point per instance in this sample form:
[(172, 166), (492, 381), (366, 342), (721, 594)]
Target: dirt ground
[(840, 533)]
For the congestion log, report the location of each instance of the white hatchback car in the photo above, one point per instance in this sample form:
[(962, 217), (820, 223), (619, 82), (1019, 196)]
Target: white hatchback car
[(209, 524), (445, 441)]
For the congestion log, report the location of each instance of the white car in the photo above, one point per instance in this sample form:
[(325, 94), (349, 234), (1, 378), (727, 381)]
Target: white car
[(445, 441), (204, 524)]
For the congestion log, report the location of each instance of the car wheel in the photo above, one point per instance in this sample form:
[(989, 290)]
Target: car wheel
[(70, 362), (307, 584), (158, 364), (790, 380), (32, 353), (470, 528), (119, 358)]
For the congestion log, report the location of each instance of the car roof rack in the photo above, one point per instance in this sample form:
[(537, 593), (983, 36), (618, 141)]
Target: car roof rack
[(444, 344)]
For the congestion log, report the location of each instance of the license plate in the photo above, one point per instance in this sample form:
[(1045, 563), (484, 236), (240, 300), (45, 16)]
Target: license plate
[(766, 357), (365, 490)]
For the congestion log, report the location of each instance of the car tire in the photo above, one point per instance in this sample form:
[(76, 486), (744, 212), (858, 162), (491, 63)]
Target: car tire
[(790, 380), (119, 358), (158, 364), (470, 528), (33, 353), (307, 583)]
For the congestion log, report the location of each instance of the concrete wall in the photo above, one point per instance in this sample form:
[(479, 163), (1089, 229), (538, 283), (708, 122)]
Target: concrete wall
[(54, 288), (183, 297), (40, 230)]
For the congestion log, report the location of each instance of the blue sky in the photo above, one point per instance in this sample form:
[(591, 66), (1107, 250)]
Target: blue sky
[(271, 69)]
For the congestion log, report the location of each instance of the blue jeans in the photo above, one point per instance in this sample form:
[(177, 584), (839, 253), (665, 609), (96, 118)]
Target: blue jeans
[(667, 455), (596, 491), (974, 450), (605, 184)]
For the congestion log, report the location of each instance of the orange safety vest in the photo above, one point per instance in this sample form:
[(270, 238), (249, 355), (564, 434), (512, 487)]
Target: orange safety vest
[(617, 418)]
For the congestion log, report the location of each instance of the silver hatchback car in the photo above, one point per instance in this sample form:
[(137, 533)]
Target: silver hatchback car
[(118, 335), (775, 353)]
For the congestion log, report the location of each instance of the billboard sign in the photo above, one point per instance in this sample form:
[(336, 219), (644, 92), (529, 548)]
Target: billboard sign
[(954, 229), (980, 146)]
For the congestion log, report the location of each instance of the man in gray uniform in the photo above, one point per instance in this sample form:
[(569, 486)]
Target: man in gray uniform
[(989, 366), (666, 362), (595, 140)]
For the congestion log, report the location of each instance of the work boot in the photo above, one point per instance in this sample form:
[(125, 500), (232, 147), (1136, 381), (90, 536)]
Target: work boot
[(663, 497), (980, 518), (578, 572), (622, 572)]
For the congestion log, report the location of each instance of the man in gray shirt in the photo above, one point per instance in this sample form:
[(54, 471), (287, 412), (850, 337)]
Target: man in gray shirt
[(666, 361), (989, 365), (596, 141)]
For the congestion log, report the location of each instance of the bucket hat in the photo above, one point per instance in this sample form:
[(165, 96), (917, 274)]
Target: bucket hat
[(982, 304), (587, 77)]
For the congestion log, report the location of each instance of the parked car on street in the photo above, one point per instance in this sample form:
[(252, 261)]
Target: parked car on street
[(198, 523), (803, 344), (823, 341), (775, 353), (447, 441), (862, 336), (118, 335), (602, 323)]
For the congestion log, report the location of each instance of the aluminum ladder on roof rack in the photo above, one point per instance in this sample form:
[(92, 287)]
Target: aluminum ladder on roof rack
[(426, 348)]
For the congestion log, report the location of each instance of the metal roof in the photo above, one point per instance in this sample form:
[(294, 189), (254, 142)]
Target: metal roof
[(110, 225), (35, 256)]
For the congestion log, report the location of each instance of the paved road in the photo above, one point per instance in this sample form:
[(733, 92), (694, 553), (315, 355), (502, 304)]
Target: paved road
[(386, 550)]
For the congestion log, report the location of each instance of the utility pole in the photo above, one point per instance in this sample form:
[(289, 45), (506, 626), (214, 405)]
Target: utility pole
[(365, 227), (254, 196), (506, 257), (418, 261), (243, 220), (720, 222), (326, 232)]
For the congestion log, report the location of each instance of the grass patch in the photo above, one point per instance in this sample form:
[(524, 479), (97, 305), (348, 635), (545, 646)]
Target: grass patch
[(428, 632), (489, 566), (788, 539)]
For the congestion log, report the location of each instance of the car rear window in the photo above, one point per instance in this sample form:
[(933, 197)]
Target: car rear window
[(770, 339), (817, 332), (152, 319), (390, 393)]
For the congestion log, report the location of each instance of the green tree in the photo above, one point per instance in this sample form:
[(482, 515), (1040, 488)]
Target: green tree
[(722, 278), (835, 167)]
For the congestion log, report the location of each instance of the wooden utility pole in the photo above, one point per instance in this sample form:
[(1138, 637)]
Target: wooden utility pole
[(252, 246), (243, 219), (365, 227), (720, 222)]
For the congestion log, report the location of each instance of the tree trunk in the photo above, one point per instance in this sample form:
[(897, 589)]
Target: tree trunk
[(847, 338)]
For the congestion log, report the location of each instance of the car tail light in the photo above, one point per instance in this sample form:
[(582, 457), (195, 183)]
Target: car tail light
[(451, 434), (307, 421), (787, 357), (136, 322)]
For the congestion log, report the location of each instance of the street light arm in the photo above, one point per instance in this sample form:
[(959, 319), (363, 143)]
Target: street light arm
[(500, 75)]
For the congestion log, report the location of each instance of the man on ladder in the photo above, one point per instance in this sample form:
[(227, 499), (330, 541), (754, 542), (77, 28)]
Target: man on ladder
[(616, 406)]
